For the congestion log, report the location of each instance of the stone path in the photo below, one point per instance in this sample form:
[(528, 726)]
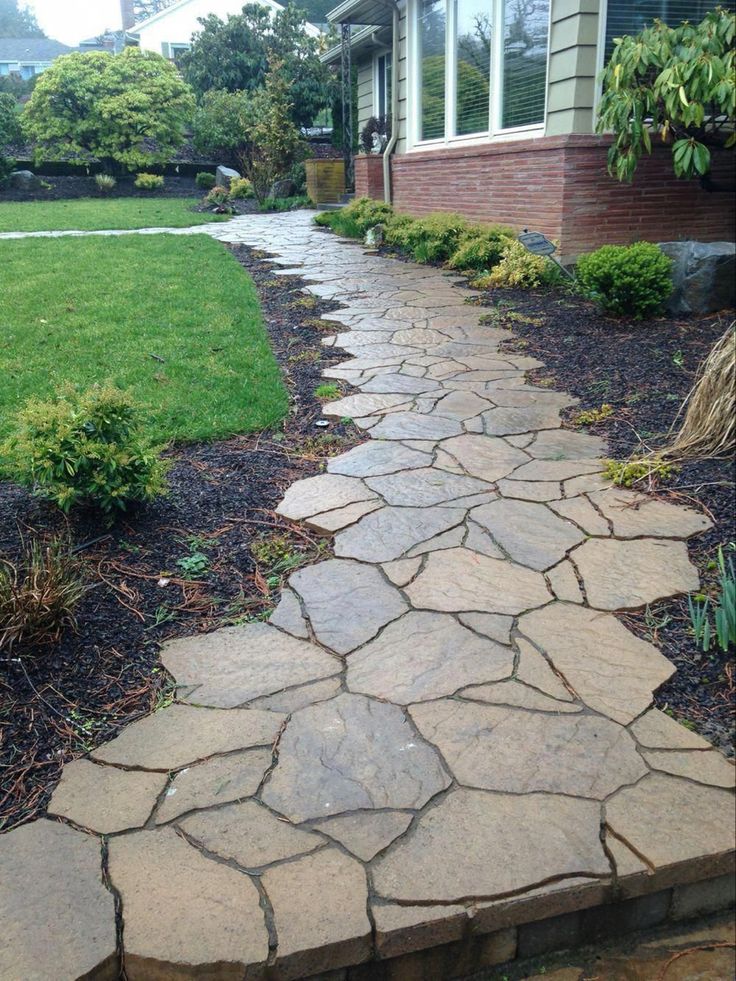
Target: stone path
[(442, 733)]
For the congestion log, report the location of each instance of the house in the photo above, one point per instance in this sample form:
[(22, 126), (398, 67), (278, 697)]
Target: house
[(169, 32), (494, 105), (29, 56)]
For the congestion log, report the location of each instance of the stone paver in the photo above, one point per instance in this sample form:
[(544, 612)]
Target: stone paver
[(448, 711)]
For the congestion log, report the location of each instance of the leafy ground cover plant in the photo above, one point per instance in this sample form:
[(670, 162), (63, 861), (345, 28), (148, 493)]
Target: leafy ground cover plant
[(627, 280), (638, 471), (39, 594), (86, 448), (149, 182)]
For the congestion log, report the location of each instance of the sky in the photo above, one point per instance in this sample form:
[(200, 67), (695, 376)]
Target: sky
[(72, 20)]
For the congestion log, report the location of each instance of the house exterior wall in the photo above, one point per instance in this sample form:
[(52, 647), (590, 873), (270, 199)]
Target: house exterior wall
[(365, 92)]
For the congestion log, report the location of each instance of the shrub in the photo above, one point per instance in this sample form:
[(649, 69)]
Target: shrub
[(9, 131), (285, 204), (105, 183), (396, 231), (85, 448), (481, 248), (149, 182), (519, 268), (240, 187), (219, 200), (39, 595), (354, 220), (205, 180), (436, 237), (630, 280)]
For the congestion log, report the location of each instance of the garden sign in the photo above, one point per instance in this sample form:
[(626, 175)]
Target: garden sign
[(539, 244)]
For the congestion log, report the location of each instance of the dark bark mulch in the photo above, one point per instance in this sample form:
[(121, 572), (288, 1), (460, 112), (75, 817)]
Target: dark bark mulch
[(67, 188), (60, 701), (644, 371)]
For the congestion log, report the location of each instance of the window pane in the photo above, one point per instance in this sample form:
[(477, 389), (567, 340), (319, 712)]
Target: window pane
[(473, 65), (381, 70), (432, 19), (629, 16), (525, 41)]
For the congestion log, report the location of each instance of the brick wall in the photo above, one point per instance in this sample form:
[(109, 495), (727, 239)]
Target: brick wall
[(369, 176), (559, 186)]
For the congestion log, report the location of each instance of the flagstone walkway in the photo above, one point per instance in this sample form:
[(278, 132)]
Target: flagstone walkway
[(443, 732)]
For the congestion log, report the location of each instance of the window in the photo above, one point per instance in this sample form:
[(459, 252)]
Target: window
[(383, 85), (630, 16), (481, 65)]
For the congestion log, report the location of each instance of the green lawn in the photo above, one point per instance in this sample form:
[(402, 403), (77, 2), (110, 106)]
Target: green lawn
[(95, 214), (174, 319)]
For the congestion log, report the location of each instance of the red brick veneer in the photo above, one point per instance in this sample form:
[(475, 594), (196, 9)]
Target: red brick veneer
[(369, 176)]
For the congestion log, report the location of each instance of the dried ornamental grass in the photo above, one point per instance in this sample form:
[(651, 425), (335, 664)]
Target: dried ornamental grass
[(709, 428), (38, 597)]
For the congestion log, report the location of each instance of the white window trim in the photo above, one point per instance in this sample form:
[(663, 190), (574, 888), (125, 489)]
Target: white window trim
[(496, 133)]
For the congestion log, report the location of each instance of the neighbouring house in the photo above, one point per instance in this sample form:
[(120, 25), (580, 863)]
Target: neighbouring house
[(29, 56), (494, 105), (169, 32)]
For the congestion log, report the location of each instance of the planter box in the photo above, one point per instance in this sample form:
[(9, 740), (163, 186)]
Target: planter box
[(325, 180)]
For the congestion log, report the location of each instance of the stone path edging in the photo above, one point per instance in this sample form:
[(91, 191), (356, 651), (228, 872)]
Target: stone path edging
[(442, 733)]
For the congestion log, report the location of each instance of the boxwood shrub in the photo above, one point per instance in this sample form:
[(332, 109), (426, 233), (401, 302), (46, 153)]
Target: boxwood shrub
[(628, 280)]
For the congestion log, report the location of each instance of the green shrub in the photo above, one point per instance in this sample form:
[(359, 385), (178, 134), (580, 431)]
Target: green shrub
[(240, 187), (397, 230), (205, 180), (85, 448), (481, 248), (354, 220), (285, 204), (9, 131), (39, 594), (149, 182), (519, 268), (633, 280), (436, 237), (105, 183), (219, 200)]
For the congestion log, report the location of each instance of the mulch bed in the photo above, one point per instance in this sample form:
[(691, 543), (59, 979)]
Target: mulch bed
[(61, 701), (68, 188), (644, 371)]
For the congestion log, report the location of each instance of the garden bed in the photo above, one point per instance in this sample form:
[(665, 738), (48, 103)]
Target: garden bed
[(59, 702), (70, 188), (644, 371)]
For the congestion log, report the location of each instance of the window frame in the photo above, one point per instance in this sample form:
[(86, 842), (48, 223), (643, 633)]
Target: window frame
[(386, 55), (495, 132)]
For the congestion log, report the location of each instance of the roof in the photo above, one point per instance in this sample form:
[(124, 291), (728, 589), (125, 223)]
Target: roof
[(178, 4), (363, 12), (31, 49), (372, 38)]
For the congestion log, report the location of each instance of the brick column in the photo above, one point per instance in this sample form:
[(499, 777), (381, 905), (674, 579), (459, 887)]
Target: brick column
[(369, 176)]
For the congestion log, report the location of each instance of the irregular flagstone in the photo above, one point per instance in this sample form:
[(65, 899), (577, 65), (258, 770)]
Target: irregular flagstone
[(493, 625), (621, 575), (292, 699), (507, 749), (58, 919), (702, 767), (402, 571), (567, 445), (425, 655), (461, 405), (556, 470), (449, 539), (249, 834), (529, 533), (564, 582), (611, 670), (519, 696), (392, 531), (581, 511), (533, 669), (377, 457), (414, 425), (363, 404), (632, 515), (332, 521), (179, 735), (523, 842), (487, 459), (458, 580), (585, 484), (216, 781), (625, 861), (288, 616), (325, 492), (670, 821), (351, 753), (479, 540), (365, 833), (320, 913), (425, 487), (528, 490), (655, 730), (236, 664), (504, 421), (404, 929), (526, 395), (397, 383), (184, 913), (330, 588), (105, 799)]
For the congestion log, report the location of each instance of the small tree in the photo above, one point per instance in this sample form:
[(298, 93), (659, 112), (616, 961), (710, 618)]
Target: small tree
[(9, 131), (18, 21), (129, 109), (678, 83), (255, 130)]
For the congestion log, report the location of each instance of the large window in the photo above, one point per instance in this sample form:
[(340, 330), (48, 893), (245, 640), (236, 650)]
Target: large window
[(482, 65), (630, 16)]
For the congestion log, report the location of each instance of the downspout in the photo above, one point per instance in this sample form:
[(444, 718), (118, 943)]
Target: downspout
[(389, 148)]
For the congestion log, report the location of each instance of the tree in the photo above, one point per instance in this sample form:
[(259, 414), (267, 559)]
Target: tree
[(17, 21), (678, 83), (9, 131), (254, 129), (235, 54), (144, 9), (129, 109)]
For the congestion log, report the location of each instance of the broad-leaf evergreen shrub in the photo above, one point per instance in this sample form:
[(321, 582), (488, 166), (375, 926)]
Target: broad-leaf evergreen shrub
[(85, 448), (627, 280), (205, 180)]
